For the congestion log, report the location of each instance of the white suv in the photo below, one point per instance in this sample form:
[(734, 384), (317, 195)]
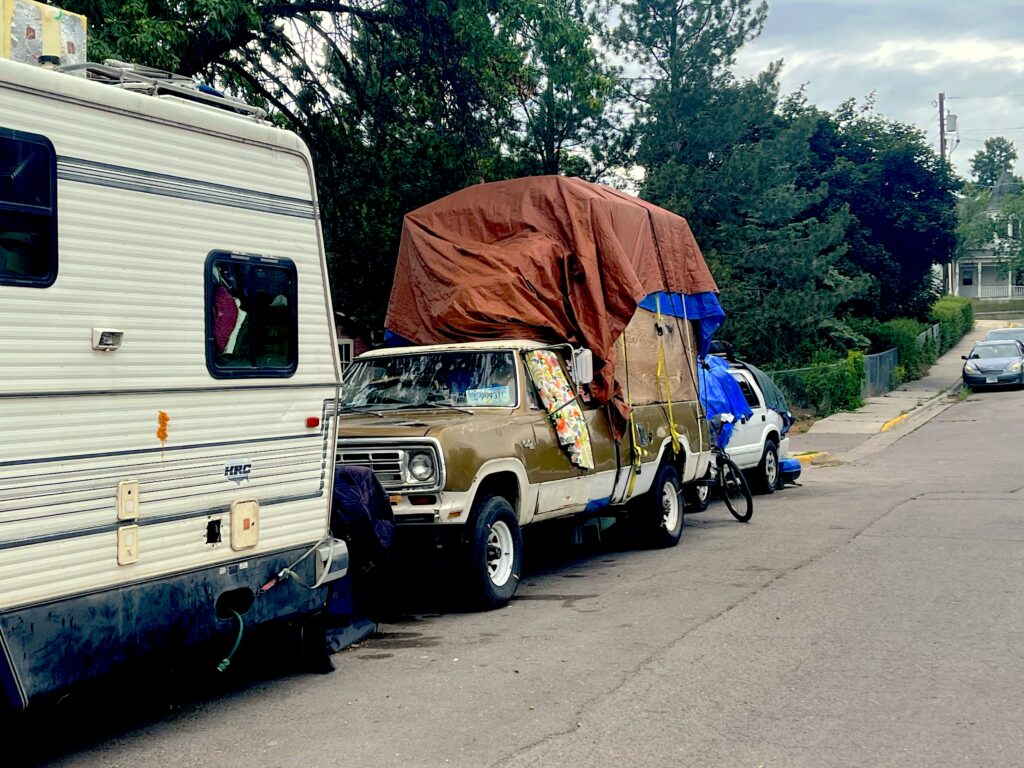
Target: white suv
[(758, 442)]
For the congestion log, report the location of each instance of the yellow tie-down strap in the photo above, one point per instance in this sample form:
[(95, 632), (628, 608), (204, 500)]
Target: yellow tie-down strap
[(663, 371)]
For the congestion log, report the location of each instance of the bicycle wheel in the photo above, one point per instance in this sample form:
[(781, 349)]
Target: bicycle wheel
[(735, 491)]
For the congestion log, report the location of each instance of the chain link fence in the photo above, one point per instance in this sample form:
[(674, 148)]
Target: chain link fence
[(879, 373)]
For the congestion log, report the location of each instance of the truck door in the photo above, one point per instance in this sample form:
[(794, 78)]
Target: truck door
[(563, 486)]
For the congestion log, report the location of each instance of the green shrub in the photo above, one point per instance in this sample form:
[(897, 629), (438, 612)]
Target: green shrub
[(902, 333), (955, 316), (827, 386)]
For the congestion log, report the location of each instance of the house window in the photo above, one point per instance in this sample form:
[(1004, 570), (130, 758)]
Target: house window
[(967, 276), (28, 210), (345, 350), (251, 320)]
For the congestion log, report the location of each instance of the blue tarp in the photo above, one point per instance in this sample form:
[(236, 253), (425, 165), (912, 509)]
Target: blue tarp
[(702, 308), (720, 394)]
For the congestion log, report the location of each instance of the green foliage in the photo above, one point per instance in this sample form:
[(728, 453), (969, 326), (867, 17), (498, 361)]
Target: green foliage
[(901, 200), (400, 102), (996, 158), (828, 386), (807, 218), (955, 316)]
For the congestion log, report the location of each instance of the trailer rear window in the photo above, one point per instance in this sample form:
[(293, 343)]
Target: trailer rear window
[(251, 322), (28, 210)]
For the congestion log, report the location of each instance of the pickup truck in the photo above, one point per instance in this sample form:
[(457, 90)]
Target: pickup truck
[(463, 440)]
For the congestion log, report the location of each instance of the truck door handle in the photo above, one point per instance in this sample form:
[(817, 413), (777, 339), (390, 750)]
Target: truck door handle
[(763, 417)]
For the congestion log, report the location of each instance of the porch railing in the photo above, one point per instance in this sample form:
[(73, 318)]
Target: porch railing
[(1001, 292)]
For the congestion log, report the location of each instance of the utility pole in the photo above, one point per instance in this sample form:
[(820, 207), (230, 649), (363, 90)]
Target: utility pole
[(942, 126)]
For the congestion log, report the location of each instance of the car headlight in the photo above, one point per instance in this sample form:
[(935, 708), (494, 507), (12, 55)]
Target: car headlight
[(1014, 367), (971, 368), (421, 466)]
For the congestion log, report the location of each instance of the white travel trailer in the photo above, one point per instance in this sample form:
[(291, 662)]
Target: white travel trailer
[(168, 374)]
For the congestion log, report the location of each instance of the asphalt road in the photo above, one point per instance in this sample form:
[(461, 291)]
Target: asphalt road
[(871, 617)]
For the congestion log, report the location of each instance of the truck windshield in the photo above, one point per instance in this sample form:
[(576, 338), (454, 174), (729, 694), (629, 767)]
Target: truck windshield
[(470, 379)]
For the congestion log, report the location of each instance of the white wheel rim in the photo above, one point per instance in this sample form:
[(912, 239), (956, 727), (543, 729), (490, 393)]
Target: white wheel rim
[(771, 468), (500, 553), (670, 512), (702, 493)]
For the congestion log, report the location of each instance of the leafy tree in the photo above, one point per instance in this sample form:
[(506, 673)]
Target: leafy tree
[(996, 158), (718, 151), (902, 201), (400, 101), (774, 249), (563, 94)]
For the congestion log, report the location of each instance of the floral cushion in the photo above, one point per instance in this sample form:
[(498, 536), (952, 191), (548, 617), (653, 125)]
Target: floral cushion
[(559, 400)]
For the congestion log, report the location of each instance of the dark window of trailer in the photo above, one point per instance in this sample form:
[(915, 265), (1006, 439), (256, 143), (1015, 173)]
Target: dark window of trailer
[(28, 210), (251, 320)]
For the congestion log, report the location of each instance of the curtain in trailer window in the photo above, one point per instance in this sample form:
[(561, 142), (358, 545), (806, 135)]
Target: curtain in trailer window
[(28, 210), (251, 324)]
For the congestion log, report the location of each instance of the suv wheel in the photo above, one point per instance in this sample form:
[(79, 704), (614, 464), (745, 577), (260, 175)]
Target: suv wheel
[(495, 553), (767, 477)]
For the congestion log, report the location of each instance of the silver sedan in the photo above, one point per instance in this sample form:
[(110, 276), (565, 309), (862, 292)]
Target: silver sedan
[(994, 363)]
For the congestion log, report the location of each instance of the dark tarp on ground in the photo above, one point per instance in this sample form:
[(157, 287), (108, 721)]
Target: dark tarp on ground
[(546, 258), (361, 514)]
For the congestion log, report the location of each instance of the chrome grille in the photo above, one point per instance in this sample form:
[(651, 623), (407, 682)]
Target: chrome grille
[(386, 465)]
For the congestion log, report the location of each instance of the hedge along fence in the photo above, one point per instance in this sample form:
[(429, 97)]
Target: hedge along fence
[(829, 387), (956, 316), (824, 387)]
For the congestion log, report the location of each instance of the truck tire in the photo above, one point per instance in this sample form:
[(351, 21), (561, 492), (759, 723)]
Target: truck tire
[(660, 510), (767, 475), (495, 553)]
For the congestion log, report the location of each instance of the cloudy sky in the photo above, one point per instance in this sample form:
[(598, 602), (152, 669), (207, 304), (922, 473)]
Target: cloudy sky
[(906, 51)]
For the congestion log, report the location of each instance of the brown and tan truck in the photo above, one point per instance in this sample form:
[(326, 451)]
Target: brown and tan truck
[(529, 390)]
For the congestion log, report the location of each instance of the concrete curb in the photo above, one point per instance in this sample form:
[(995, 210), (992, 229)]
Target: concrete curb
[(812, 457)]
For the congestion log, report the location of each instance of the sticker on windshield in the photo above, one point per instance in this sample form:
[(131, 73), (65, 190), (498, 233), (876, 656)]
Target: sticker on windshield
[(489, 396)]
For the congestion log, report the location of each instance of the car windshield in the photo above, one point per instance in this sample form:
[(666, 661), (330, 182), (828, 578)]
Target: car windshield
[(1005, 333), (996, 350), (431, 379)]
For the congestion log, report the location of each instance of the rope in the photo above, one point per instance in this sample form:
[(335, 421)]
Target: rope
[(638, 450), (685, 334), (663, 370)]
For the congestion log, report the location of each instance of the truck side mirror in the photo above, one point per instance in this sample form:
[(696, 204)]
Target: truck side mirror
[(583, 366)]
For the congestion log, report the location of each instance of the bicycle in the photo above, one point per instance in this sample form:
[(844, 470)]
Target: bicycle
[(727, 479)]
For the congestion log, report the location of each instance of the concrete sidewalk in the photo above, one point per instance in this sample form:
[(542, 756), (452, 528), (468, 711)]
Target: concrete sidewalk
[(844, 436)]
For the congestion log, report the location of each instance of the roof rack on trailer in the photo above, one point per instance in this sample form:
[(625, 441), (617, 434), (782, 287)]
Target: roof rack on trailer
[(135, 77)]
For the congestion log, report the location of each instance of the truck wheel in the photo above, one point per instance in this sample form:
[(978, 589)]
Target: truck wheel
[(661, 509), (495, 553), (767, 478)]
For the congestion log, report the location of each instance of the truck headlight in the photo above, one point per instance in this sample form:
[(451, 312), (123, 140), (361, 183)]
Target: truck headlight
[(421, 466)]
